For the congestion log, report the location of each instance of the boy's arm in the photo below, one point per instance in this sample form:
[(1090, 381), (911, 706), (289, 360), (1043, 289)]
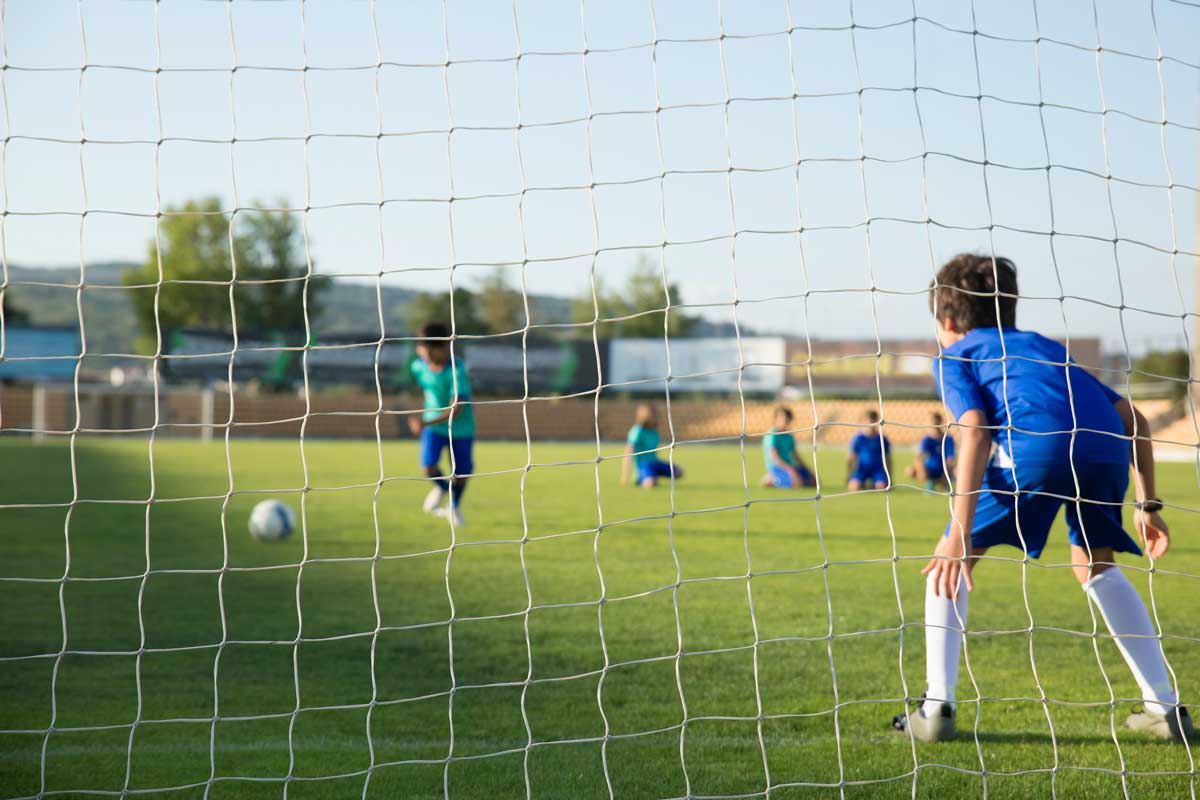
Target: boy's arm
[(626, 464), (778, 461), (1150, 525), (975, 446)]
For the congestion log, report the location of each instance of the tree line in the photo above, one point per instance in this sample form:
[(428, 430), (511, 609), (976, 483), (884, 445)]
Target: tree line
[(205, 265)]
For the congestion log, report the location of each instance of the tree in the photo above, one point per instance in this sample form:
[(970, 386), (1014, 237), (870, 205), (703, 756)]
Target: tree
[(1163, 365), (500, 305), (435, 307), (644, 301), (197, 255), (13, 313)]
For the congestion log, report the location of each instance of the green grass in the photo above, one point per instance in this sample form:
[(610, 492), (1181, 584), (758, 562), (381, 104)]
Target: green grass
[(225, 651)]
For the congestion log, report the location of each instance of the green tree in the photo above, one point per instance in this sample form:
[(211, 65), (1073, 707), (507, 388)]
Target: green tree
[(643, 299), (435, 307), (13, 313), (1163, 365), (197, 254), (500, 305)]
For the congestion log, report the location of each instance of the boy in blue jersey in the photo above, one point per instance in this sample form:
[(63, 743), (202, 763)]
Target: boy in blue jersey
[(641, 451), (447, 421), (869, 462), (1058, 433), (785, 469), (935, 456)]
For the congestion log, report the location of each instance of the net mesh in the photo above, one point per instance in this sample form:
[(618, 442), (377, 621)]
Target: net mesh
[(670, 66)]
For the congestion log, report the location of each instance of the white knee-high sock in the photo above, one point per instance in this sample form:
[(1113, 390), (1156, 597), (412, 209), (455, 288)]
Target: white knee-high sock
[(945, 620), (1128, 621)]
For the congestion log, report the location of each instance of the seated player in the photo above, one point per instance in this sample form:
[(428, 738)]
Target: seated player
[(641, 450), (935, 456), (785, 469), (869, 462), (1058, 433), (447, 422)]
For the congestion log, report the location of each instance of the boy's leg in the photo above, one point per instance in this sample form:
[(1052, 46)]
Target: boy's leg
[(432, 444), (945, 621), (1127, 620), (462, 451)]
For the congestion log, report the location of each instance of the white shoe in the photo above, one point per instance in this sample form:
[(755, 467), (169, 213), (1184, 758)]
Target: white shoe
[(433, 500), (452, 513)]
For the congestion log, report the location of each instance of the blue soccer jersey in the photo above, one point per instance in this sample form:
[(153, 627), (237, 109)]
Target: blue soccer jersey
[(1019, 380), (933, 449), (870, 449)]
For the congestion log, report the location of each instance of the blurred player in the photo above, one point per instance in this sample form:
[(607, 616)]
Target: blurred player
[(641, 451), (870, 460), (785, 469), (1058, 433), (935, 456), (447, 422)]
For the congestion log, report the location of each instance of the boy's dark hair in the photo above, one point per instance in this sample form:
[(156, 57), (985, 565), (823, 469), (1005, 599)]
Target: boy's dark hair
[(936, 418), (965, 292), (872, 416), (787, 412), (434, 333)]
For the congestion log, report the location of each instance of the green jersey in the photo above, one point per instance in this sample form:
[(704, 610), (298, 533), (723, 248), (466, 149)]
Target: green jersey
[(782, 443), (644, 442), (439, 386)]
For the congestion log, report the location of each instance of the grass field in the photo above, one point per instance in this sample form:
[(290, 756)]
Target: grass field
[(328, 664)]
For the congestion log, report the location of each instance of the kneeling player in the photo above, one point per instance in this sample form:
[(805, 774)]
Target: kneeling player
[(641, 449), (870, 460), (447, 422), (785, 469), (935, 457), (1059, 433)]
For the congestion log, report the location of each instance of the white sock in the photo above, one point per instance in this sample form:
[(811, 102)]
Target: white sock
[(1125, 615), (945, 620)]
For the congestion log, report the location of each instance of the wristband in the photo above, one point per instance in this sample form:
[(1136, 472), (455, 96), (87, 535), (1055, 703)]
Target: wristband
[(1151, 506)]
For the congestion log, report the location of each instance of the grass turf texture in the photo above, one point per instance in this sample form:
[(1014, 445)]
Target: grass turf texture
[(254, 682)]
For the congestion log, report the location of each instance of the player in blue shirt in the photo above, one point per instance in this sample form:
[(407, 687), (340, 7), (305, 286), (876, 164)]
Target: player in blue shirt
[(935, 456), (1058, 433), (641, 451), (869, 462), (785, 468), (448, 422)]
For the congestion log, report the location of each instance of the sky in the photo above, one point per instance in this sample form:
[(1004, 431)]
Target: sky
[(809, 182)]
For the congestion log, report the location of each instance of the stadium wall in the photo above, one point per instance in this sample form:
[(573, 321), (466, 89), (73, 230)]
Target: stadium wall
[(201, 414)]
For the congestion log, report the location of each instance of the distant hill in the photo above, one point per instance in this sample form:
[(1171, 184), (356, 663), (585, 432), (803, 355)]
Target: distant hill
[(50, 296)]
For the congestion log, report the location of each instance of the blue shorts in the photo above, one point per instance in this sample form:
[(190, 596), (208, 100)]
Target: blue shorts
[(869, 476), (1094, 522), (434, 442), (655, 469), (782, 479), (935, 470)]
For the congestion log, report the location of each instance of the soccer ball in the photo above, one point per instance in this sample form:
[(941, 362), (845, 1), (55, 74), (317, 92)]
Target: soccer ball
[(272, 520)]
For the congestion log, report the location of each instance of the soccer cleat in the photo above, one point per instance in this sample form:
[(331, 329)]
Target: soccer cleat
[(433, 500), (939, 728), (1165, 726), (453, 514)]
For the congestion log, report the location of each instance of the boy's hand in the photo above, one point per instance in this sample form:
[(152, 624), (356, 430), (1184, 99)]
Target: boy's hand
[(947, 565), (415, 425), (1154, 531)]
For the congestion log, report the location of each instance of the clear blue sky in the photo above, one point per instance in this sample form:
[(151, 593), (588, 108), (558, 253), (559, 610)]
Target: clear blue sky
[(347, 170)]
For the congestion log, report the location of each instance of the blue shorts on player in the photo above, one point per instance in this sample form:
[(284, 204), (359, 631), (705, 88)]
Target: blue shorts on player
[(782, 479), (433, 442), (1023, 518), (869, 475), (653, 469)]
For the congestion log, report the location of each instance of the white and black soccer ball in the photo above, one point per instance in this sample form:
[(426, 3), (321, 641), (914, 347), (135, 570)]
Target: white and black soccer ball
[(272, 520)]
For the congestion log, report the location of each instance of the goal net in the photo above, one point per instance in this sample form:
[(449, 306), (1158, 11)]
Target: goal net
[(647, 225)]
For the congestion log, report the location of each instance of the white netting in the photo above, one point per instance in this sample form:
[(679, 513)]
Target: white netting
[(778, 170)]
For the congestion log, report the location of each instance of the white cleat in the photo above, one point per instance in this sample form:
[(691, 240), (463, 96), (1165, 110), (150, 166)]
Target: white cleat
[(433, 500), (453, 514)]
